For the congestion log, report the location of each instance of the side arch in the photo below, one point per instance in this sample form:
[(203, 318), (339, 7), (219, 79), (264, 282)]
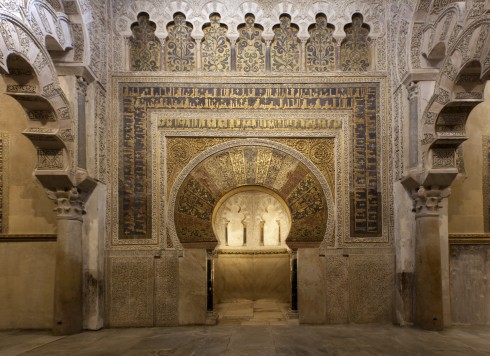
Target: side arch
[(50, 119)]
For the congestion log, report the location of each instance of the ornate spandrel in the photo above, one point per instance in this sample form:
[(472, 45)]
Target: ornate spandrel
[(285, 49), (145, 48), (320, 48), (180, 54), (250, 47), (354, 50), (216, 52)]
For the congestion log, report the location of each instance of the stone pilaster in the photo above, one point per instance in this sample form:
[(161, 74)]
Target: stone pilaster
[(68, 293), (268, 55), (428, 286), (81, 118), (413, 97)]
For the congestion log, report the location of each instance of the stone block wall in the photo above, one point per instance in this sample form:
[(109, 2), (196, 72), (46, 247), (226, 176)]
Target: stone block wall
[(470, 284), (346, 286)]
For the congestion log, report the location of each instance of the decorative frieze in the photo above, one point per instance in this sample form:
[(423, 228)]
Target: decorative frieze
[(49, 159)]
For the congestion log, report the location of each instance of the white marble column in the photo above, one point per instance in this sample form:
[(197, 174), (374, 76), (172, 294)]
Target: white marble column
[(428, 294), (68, 293)]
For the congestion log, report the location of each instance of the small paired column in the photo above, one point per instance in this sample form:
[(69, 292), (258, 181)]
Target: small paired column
[(68, 293), (211, 316)]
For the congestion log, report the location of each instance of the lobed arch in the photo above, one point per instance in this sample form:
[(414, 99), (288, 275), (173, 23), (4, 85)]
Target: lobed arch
[(458, 89), (210, 194), (233, 16), (34, 85), (52, 28), (438, 37)]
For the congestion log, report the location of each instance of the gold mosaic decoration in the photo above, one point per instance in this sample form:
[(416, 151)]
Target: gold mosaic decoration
[(318, 150), (216, 52), (180, 53), (285, 48), (145, 48), (182, 149), (250, 47), (320, 49), (240, 166), (354, 50)]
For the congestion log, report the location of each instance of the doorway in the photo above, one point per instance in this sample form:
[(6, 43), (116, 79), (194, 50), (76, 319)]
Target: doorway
[(252, 263)]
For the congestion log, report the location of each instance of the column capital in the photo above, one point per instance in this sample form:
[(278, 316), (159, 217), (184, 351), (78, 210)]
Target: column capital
[(426, 200), (81, 86), (69, 203), (413, 90)]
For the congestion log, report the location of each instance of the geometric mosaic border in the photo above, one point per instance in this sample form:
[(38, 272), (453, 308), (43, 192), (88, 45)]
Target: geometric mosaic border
[(381, 128)]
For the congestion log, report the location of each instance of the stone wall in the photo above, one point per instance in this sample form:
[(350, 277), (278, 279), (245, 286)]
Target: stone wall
[(470, 285), (252, 276), (27, 284)]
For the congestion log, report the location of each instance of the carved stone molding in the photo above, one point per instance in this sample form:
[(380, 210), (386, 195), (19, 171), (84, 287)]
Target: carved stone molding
[(69, 203), (427, 200)]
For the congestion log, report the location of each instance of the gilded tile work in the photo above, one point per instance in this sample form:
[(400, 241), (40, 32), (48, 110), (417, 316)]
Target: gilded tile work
[(250, 47), (4, 192), (145, 48), (320, 49), (180, 150), (285, 48), (354, 50), (361, 98), (239, 166), (180, 52), (216, 53)]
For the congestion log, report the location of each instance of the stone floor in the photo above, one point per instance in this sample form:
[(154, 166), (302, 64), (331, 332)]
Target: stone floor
[(253, 340), (253, 328), (248, 312)]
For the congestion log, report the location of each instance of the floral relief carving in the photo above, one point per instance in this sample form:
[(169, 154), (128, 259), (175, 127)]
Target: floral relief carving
[(285, 49), (354, 50), (320, 48), (216, 53), (145, 48), (180, 54), (250, 47)]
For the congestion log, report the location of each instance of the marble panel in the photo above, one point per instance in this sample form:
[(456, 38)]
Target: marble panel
[(336, 285), (166, 288), (252, 276), (131, 289), (370, 286), (311, 286), (192, 287)]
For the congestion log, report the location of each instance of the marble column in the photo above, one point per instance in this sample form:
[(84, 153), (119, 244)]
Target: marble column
[(428, 294), (68, 293), (303, 55), (268, 55), (198, 53)]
